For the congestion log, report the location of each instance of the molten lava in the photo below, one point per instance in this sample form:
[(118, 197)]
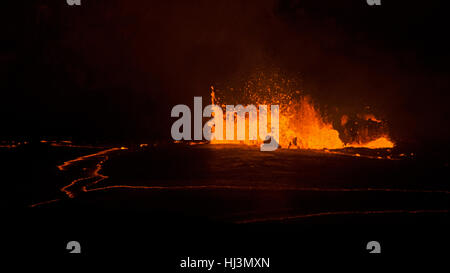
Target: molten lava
[(301, 125), (300, 122)]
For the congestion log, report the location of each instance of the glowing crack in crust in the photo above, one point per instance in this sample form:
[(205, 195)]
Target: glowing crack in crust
[(90, 183), (96, 176), (334, 213)]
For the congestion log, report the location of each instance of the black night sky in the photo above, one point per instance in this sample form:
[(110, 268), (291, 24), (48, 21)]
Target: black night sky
[(87, 157), (112, 70)]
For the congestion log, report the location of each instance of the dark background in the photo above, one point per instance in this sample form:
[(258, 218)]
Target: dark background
[(112, 70)]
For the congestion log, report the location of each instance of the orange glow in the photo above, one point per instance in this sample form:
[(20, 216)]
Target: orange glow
[(344, 120), (66, 164), (302, 126), (301, 123), (382, 142), (371, 117), (94, 174)]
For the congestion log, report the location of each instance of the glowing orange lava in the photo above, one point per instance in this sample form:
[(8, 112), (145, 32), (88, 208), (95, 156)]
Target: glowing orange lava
[(301, 124), (382, 142)]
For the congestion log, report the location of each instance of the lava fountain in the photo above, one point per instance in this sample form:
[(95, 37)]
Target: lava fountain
[(301, 124)]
